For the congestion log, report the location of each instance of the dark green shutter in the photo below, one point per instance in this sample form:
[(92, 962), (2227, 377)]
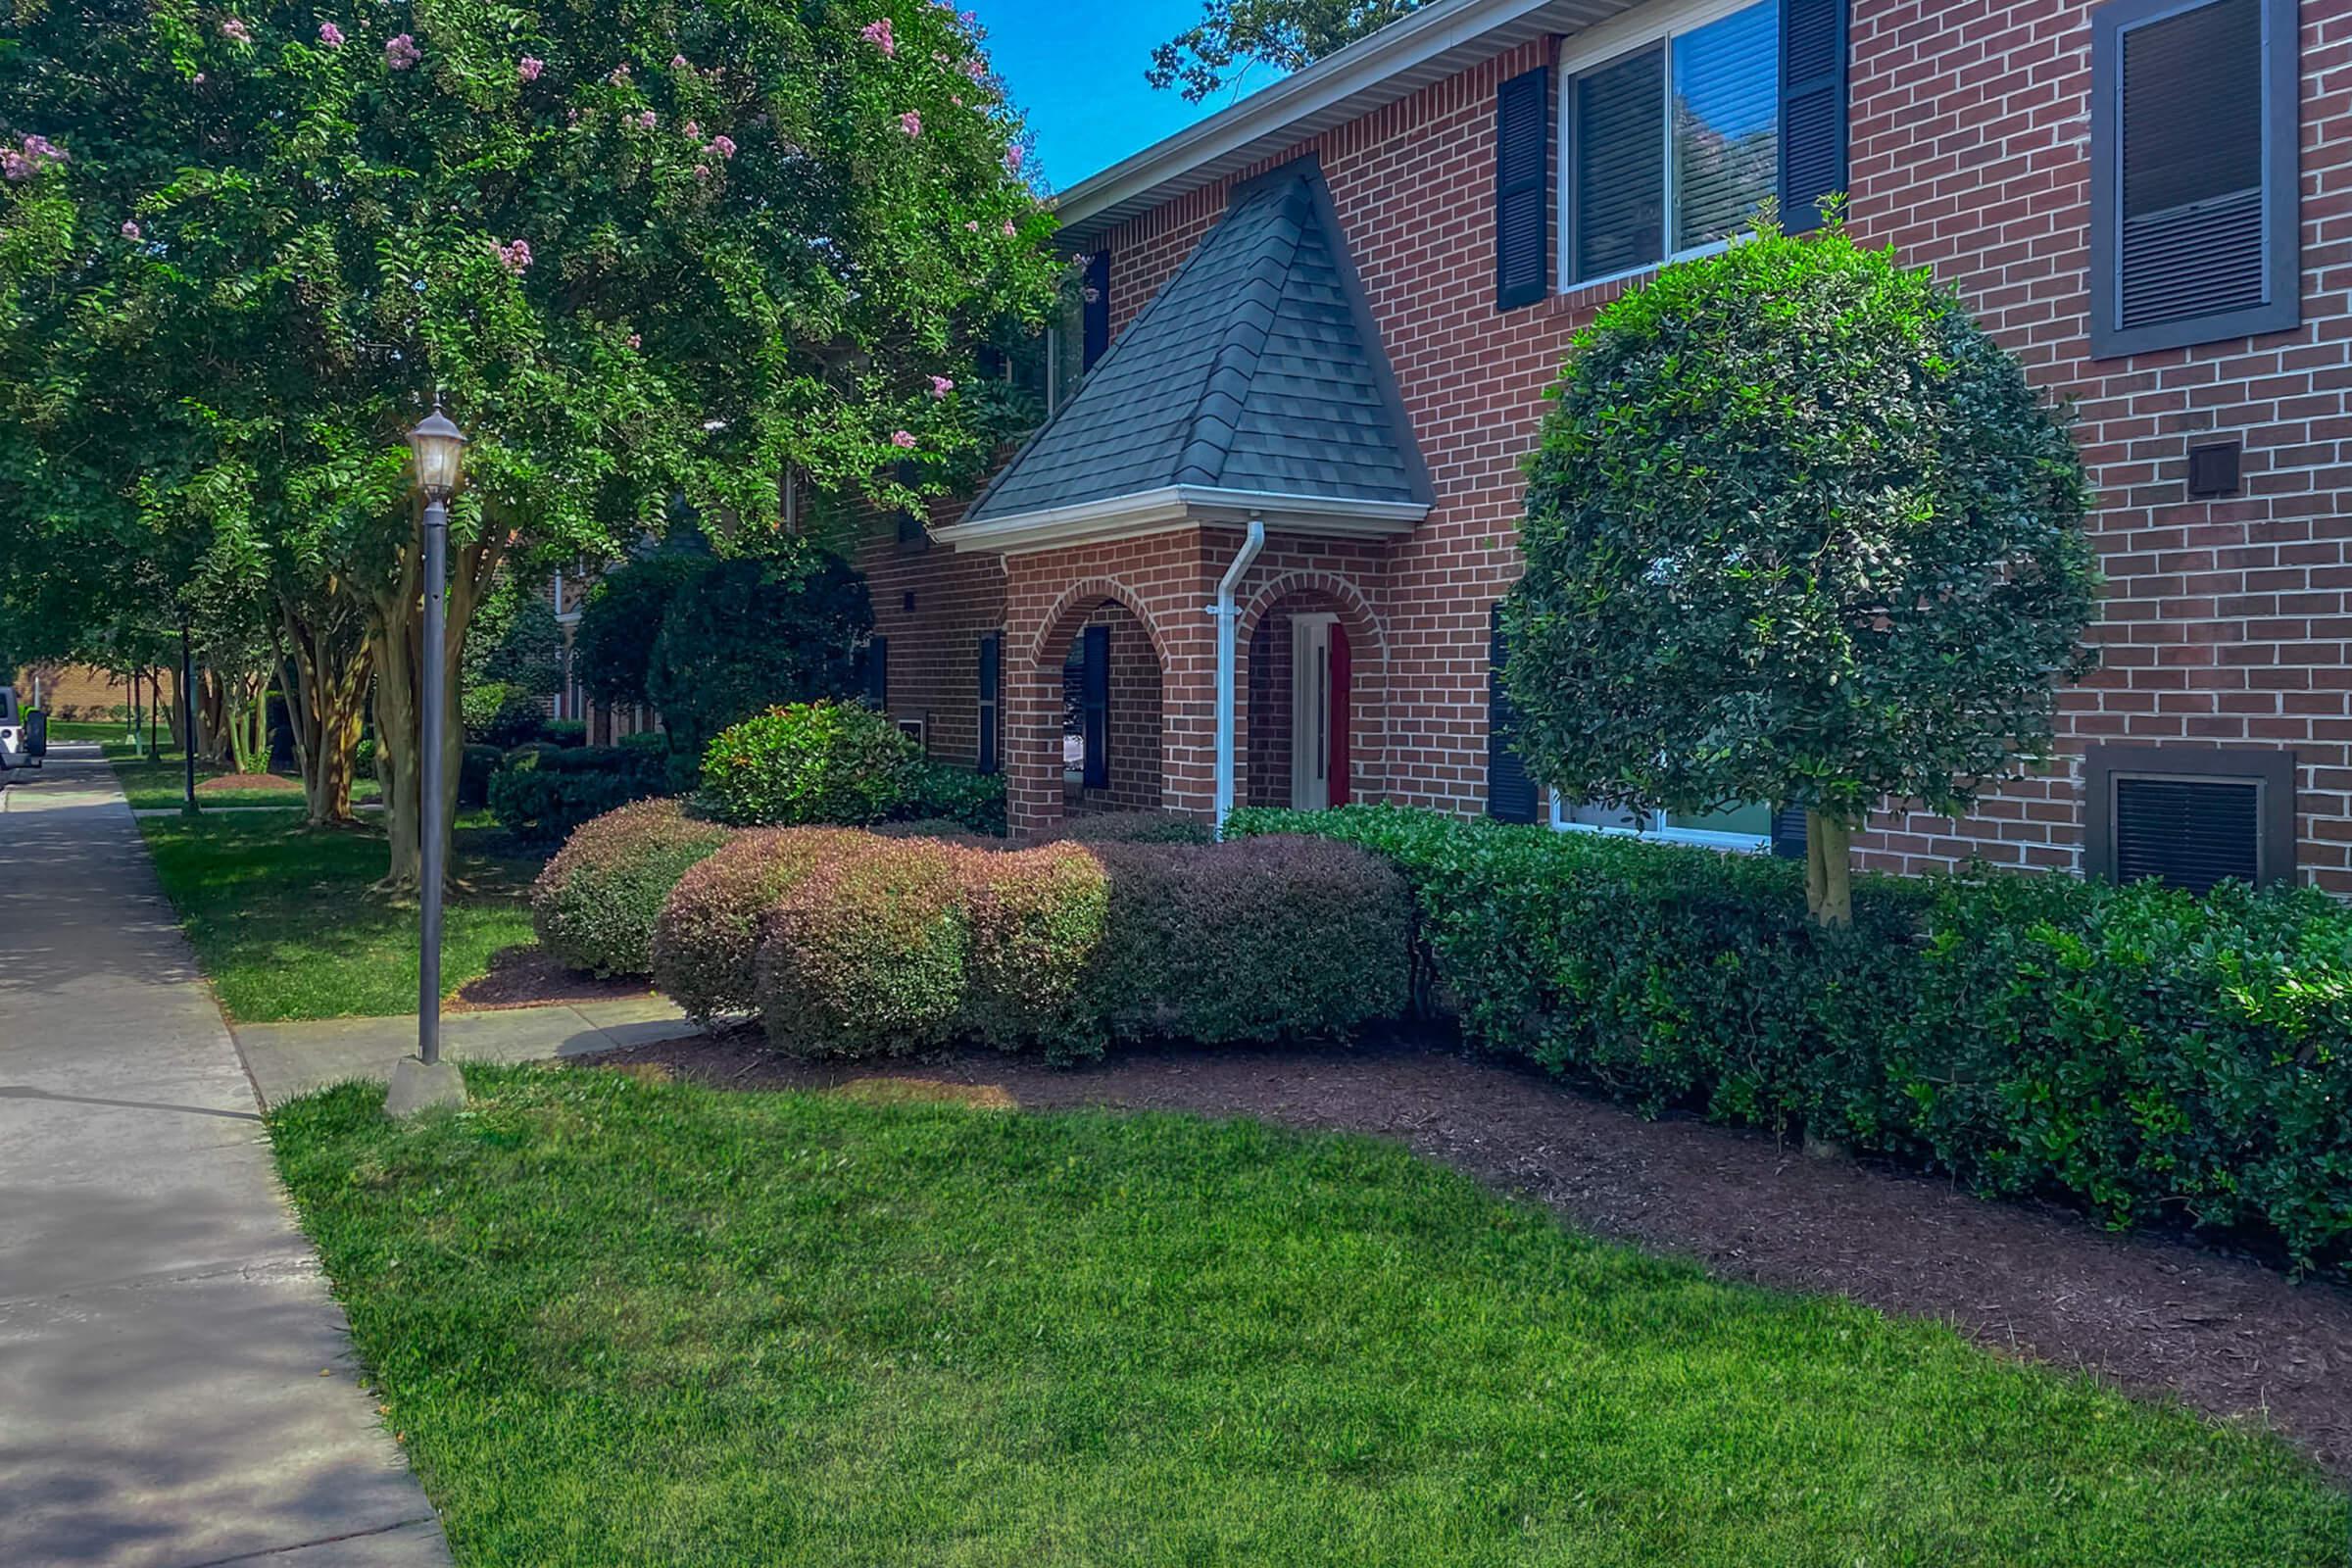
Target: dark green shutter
[(992, 697), (877, 673), (1523, 190), (1789, 833), (1093, 707), (1097, 314), (1813, 109), (1511, 795)]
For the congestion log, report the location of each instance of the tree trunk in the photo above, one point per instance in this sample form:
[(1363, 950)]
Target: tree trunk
[(324, 703), (396, 637), (214, 718), (1829, 871)]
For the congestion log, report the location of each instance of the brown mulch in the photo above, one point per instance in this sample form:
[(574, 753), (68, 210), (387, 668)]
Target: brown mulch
[(526, 976), (222, 783), (2231, 1335)]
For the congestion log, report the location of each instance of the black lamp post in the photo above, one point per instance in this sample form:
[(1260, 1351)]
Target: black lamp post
[(424, 1079), (187, 721)]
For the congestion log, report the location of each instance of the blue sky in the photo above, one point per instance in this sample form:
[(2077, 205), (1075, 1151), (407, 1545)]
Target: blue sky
[(1077, 66)]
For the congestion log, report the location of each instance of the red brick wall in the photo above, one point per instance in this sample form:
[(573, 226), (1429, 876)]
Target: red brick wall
[(934, 647), (2227, 621)]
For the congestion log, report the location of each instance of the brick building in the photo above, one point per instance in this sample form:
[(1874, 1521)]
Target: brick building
[(2148, 201)]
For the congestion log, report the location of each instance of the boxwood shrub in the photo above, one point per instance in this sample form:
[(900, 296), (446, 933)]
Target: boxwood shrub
[(2141, 1052), (543, 793), (706, 941), (596, 902), (812, 762), (943, 792)]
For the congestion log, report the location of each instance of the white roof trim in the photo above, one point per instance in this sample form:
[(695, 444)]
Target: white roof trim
[(1183, 506), (1422, 47)]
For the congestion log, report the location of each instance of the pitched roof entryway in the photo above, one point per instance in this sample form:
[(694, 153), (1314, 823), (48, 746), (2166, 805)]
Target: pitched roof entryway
[(1253, 385)]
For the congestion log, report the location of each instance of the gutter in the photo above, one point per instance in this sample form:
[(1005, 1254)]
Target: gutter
[(1228, 659)]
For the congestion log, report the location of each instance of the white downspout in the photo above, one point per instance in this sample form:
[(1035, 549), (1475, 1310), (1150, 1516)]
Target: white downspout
[(1228, 658)]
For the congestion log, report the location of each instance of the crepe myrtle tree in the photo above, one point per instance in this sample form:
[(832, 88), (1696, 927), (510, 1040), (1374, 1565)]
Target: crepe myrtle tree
[(1798, 532), (646, 256)]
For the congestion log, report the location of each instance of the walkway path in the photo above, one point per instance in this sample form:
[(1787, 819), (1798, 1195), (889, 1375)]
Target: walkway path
[(176, 1387)]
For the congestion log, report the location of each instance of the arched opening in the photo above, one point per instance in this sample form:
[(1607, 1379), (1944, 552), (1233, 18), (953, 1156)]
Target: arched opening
[(1111, 735), (1314, 702)]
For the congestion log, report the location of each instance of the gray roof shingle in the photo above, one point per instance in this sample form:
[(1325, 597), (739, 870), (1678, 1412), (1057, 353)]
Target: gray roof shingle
[(1257, 367)]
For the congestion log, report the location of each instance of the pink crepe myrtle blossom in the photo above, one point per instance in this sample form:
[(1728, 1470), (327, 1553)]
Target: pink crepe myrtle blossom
[(647, 119), (912, 122), (235, 31), (677, 62), (723, 146), (973, 227), (131, 229), (1010, 228), (400, 52), (692, 130), (529, 68), (197, 80), (330, 35), (702, 171), (941, 386), (903, 440), (1015, 157), (514, 255), (877, 33), (976, 69), (13, 166), (635, 341), (620, 73), (45, 150)]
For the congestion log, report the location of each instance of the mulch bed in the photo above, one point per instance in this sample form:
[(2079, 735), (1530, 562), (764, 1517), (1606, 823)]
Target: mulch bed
[(2231, 1335), (526, 976)]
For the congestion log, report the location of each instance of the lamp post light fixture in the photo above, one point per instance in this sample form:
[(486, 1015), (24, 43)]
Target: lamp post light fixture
[(424, 1079)]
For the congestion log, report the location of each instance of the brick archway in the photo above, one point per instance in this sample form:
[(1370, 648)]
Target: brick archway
[(1263, 700), (1132, 720), (1079, 600)]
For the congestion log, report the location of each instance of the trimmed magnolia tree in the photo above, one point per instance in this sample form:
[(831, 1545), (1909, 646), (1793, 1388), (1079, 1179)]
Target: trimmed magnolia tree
[(648, 256), (1797, 531)]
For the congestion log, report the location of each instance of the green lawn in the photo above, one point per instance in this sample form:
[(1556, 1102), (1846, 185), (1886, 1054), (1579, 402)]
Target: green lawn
[(286, 924), (162, 782), (623, 1322)]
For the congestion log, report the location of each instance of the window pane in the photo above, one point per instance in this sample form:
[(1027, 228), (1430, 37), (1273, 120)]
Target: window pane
[(1727, 117), (1589, 815), (2192, 108), (1753, 821), (1620, 177)]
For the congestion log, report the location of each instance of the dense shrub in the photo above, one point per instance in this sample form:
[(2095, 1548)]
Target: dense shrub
[(2138, 1050), (817, 762), (705, 943), (543, 793), (475, 766), (596, 904), (1268, 939), (1038, 919), (495, 713), (943, 792), (867, 955), (645, 743), (1132, 828), (566, 732)]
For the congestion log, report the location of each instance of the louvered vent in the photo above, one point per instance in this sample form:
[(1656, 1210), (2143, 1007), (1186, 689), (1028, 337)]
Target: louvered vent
[(1620, 166), (2192, 216), (2192, 833)]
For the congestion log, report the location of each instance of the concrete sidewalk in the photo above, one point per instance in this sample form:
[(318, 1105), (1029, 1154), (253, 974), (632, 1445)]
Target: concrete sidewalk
[(287, 1060), (176, 1387)]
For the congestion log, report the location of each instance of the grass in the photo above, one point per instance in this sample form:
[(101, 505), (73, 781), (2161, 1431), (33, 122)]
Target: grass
[(161, 783), (286, 924), (617, 1321)]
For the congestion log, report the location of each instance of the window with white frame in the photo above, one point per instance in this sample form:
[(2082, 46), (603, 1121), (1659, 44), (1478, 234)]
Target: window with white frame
[(1738, 827), (1671, 146)]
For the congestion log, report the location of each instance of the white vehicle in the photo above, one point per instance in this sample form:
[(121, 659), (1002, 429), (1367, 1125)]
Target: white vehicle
[(23, 737)]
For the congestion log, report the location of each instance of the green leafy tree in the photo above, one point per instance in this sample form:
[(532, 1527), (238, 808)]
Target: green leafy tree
[(740, 637), (612, 646), (1799, 532), (642, 254), (1232, 36)]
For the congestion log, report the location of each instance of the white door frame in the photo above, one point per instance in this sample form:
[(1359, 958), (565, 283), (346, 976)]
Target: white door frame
[(1310, 709)]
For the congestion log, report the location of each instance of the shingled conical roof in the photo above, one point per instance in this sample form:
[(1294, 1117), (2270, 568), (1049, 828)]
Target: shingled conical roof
[(1257, 370)]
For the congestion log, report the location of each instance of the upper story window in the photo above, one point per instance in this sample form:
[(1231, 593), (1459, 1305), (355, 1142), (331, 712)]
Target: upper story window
[(1671, 147), (2194, 130)]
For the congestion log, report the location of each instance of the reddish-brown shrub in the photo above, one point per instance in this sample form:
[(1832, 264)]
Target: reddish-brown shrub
[(1037, 921), (596, 904), (706, 944), (1130, 827), (1262, 939), (868, 955)]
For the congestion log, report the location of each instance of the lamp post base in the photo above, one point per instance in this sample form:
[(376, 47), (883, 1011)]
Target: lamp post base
[(417, 1087)]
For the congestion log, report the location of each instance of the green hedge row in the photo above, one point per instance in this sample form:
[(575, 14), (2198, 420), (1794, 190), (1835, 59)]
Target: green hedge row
[(2149, 1053)]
